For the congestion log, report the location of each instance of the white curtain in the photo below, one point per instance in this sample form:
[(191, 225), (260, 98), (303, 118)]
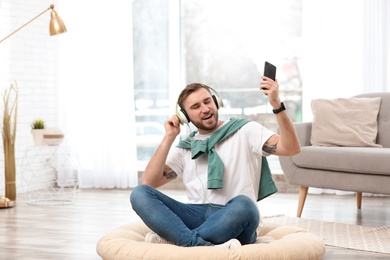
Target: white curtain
[(95, 67), (377, 42)]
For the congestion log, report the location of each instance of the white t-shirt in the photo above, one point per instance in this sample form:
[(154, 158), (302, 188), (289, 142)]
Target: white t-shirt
[(241, 154)]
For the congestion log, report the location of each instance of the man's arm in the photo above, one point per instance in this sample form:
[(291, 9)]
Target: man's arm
[(287, 143), (157, 173)]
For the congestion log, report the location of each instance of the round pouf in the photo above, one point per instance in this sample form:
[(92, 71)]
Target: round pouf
[(273, 242)]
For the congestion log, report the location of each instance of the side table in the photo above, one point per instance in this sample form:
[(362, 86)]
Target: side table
[(50, 174)]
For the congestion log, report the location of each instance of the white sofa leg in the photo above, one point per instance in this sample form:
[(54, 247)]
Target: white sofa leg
[(301, 201), (359, 200)]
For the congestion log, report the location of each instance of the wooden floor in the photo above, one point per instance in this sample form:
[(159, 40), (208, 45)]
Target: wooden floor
[(72, 231)]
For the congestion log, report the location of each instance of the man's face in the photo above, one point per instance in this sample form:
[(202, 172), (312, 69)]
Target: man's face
[(202, 111)]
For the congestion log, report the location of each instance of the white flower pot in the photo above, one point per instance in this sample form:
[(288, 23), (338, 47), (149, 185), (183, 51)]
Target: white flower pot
[(38, 136)]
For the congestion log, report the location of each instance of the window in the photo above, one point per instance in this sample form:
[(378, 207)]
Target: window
[(150, 30), (223, 44)]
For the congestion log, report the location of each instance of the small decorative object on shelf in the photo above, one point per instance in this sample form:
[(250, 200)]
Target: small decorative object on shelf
[(37, 131), (53, 136)]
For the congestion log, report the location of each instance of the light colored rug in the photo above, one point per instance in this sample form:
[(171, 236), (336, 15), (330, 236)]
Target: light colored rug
[(373, 239)]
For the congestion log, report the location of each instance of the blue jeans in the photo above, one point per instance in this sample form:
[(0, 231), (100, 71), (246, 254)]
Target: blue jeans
[(196, 224)]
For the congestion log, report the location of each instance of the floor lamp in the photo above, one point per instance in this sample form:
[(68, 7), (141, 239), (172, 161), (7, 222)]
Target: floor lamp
[(56, 26)]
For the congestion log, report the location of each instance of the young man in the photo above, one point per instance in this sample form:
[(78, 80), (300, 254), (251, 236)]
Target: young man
[(221, 166)]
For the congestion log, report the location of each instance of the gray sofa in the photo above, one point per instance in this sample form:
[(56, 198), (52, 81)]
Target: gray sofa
[(357, 169)]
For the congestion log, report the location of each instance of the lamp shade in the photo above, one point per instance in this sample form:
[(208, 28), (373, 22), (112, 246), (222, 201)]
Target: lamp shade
[(57, 26)]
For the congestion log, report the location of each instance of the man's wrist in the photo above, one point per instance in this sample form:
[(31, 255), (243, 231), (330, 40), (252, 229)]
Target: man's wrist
[(280, 109)]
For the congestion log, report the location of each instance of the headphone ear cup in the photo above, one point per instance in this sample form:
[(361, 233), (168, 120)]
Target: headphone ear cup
[(218, 101), (182, 116)]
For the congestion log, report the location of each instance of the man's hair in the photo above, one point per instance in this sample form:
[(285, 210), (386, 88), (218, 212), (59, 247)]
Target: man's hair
[(188, 90)]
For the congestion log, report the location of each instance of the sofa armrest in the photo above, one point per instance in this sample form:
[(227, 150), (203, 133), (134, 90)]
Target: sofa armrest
[(304, 132), (288, 166)]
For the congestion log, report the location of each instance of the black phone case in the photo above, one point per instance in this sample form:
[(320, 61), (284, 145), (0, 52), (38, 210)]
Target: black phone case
[(269, 70)]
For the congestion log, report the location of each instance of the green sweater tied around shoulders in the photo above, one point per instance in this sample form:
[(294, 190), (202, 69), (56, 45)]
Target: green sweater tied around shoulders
[(215, 165)]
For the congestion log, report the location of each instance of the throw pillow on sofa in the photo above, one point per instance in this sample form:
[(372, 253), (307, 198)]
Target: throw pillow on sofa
[(345, 122)]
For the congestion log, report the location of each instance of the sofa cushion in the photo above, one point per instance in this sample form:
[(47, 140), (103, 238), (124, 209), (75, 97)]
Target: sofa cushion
[(365, 160), (383, 137), (345, 122)]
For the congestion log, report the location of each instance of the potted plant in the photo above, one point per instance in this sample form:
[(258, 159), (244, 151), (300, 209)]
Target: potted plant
[(37, 131)]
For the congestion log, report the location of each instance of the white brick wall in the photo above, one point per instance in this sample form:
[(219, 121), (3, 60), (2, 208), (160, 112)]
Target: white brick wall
[(29, 57)]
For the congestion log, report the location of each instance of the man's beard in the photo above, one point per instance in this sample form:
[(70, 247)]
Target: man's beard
[(204, 127)]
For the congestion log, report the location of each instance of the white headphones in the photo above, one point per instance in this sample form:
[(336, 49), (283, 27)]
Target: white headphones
[(182, 115)]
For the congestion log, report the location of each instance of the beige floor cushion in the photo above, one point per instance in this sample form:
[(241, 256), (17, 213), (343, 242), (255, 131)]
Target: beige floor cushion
[(283, 242)]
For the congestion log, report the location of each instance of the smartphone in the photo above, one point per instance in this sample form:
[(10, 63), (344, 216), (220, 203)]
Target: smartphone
[(269, 71)]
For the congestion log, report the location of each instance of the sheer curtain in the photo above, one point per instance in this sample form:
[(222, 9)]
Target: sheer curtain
[(96, 90), (377, 41)]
